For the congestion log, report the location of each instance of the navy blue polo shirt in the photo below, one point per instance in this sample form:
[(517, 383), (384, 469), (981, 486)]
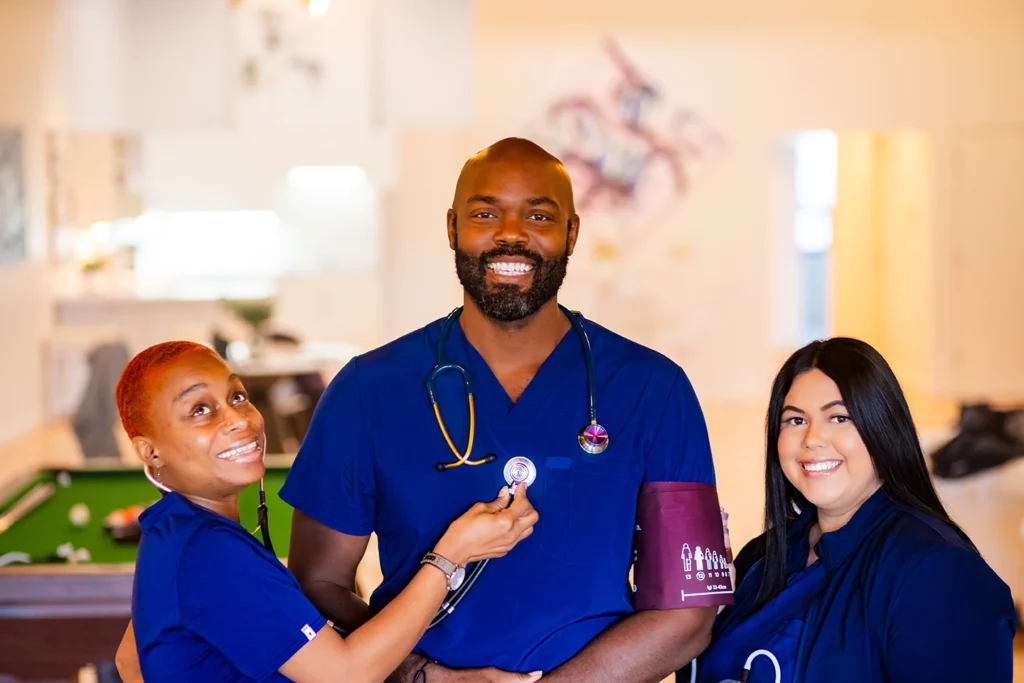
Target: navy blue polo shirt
[(210, 602), (367, 465), (896, 595)]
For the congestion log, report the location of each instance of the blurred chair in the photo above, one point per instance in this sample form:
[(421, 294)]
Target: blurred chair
[(95, 418), (67, 363)]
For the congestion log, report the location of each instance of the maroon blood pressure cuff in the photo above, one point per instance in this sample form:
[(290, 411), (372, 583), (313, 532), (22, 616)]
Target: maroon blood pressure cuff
[(680, 548)]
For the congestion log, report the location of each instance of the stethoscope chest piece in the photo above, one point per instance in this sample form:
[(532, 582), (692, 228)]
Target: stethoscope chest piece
[(593, 438), (520, 470)]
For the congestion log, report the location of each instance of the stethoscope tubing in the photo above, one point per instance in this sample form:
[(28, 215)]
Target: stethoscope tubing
[(444, 363)]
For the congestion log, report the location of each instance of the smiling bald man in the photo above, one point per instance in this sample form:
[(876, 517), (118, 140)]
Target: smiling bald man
[(628, 486)]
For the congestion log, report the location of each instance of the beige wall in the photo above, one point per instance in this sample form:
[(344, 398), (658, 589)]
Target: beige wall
[(908, 228), (858, 256), (25, 101), (418, 281), (883, 254), (981, 284)]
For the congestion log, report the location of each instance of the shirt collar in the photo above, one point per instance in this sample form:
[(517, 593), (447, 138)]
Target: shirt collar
[(835, 546)]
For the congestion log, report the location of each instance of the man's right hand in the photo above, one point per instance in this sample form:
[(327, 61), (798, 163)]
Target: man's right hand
[(435, 673), (489, 675)]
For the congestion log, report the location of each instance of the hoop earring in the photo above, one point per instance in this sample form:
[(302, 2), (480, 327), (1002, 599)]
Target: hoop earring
[(154, 482)]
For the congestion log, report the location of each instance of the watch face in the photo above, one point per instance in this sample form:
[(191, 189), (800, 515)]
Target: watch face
[(457, 578)]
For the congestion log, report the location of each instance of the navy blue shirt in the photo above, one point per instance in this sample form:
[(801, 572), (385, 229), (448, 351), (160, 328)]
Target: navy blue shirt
[(210, 602), (367, 465), (777, 629), (903, 599)]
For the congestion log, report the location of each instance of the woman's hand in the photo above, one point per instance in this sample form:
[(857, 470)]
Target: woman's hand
[(488, 530)]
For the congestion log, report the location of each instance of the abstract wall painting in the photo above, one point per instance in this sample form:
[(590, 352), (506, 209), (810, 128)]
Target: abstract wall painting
[(629, 148)]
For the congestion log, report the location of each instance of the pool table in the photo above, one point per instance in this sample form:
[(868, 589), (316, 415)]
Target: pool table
[(56, 617)]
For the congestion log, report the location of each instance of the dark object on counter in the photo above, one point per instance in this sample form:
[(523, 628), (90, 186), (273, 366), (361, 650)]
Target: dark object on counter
[(988, 438)]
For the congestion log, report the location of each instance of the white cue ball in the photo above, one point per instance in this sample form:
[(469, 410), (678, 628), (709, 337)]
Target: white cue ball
[(79, 514)]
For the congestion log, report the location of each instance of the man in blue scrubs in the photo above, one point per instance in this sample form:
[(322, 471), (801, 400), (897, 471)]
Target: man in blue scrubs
[(560, 602)]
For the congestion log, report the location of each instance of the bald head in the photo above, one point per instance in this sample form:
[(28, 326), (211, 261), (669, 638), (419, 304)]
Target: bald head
[(513, 205), (516, 154), (515, 148)]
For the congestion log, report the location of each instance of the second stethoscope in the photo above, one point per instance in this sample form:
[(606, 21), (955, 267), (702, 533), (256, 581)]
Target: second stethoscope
[(593, 438), (745, 675), (262, 518)]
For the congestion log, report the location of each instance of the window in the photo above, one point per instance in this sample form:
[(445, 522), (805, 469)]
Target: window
[(325, 221), (206, 254), (814, 183)]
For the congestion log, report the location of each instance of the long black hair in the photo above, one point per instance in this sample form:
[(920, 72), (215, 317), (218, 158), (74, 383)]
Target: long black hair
[(880, 414)]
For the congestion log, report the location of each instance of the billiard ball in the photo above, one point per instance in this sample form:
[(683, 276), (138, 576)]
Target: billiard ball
[(79, 514), (64, 479), (118, 518)]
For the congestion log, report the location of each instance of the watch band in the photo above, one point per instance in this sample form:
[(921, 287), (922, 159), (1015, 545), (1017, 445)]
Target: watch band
[(447, 567)]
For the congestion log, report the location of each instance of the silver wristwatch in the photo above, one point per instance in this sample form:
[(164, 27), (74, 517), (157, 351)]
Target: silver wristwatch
[(456, 574)]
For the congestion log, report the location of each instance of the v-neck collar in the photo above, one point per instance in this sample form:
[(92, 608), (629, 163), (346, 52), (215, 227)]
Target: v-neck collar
[(566, 357), (835, 546)]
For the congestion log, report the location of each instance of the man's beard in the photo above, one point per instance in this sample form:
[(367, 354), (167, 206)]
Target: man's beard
[(507, 302)]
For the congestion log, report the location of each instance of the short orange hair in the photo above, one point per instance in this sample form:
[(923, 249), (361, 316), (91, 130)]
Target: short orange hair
[(130, 393)]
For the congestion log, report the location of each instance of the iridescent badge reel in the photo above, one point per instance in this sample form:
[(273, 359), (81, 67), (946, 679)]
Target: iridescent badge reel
[(519, 471), (594, 438)]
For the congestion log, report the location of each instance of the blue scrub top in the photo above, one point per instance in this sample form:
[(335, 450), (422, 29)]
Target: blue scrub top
[(210, 602), (367, 465), (776, 629), (902, 598)]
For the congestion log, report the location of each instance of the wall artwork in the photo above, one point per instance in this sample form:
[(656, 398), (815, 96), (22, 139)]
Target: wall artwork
[(12, 197), (279, 42), (629, 149)]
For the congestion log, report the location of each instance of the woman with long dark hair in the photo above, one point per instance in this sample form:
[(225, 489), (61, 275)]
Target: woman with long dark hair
[(860, 575)]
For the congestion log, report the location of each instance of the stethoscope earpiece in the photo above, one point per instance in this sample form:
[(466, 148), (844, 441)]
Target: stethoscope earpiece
[(442, 466)]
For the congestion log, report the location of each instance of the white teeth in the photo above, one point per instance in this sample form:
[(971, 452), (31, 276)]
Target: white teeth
[(823, 466), (504, 268), (241, 450)]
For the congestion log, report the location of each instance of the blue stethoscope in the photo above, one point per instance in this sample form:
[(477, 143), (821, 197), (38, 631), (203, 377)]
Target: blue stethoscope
[(593, 438)]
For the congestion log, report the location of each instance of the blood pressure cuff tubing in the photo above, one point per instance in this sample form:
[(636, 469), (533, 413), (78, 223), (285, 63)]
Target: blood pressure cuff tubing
[(680, 548)]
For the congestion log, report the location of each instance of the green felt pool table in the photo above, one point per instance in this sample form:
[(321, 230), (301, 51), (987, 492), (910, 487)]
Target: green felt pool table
[(45, 527), (84, 607)]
